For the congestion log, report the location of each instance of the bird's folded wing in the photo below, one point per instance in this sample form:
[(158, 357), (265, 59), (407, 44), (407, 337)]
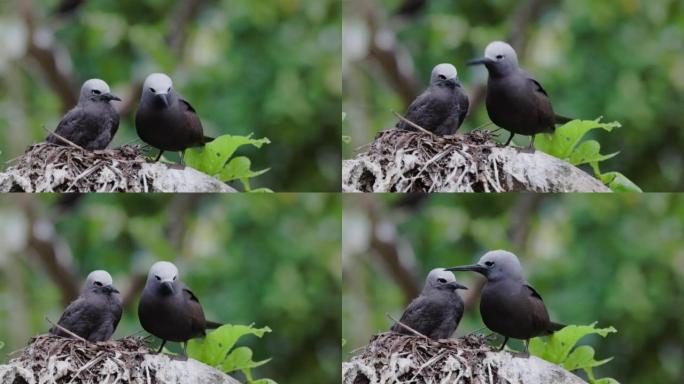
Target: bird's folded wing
[(422, 314)]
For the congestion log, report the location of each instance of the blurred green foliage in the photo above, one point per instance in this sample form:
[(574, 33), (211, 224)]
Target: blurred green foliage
[(250, 259), (617, 59), (615, 259), (269, 68)]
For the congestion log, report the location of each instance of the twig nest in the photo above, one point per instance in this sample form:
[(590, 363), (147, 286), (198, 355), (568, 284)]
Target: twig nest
[(52, 359), (414, 161), (54, 168), (395, 358)]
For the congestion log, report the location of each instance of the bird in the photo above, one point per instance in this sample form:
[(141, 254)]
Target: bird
[(95, 315), (509, 305), (437, 311), (169, 310), (515, 101), (165, 120), (92, 123), (442, 107)]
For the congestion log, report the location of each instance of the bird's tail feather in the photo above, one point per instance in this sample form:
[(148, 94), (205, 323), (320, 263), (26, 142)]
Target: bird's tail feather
[(213, 324), (554, 327), (562, 119)]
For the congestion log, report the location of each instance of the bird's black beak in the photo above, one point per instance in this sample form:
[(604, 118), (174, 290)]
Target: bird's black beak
[(111, 289), (109, 97), (163, 99), (473, 268), (167, 287), (479, 61), (455, 286), (452, 82)]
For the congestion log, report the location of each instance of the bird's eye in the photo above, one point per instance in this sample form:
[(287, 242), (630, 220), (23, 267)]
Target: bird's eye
[(157, 277), (489, 263), (96, 92), (441, 77), (168, 90), (499, 57), (153, 91), (442, 280), (98, 283), (175, 277)]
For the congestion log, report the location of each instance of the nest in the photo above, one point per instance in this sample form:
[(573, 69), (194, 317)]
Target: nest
[(417, 161), (68, 360), (70, 169), (48, 167), (413, 359)]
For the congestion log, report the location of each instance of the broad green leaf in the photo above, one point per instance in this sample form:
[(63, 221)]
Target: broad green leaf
[(214, 348), (582, 357), (558, 346), (618, 182), (240, 358), (589, 152), (212, 158), (238, 168), (564, 140)]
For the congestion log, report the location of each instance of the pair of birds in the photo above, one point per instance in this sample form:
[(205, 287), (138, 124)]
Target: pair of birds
[(164, 120), (167, 309), (515, 101), (508, 305)]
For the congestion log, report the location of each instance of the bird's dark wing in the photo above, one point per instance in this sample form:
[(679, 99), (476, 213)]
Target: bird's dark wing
[(67, 127), (422, 314), (464, 108), (193, 122), (415, 110), (538, 312), (545, 115), (198, 322), (75, 318)]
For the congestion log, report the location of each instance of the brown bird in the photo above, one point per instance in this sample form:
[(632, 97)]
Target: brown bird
[(168, 309), (166, 121), (509, 305)]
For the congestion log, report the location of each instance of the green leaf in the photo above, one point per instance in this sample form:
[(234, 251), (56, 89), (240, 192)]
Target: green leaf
[(238, 168), (605, 380), (346, 139), (213, 349), (2, 345), (582, 357), (618, 182), (213, 157), (589, 152), (241, 358), (558, 346), (565, 139), (261, 190)]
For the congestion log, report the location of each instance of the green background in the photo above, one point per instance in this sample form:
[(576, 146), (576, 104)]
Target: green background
[(267, 67), (617, 259), (618, 59), (271, 260)]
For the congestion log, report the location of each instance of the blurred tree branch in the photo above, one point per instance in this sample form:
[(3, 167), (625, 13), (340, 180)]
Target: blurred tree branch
[(384, 243), (52, 252), (384, 49), (42, 48)]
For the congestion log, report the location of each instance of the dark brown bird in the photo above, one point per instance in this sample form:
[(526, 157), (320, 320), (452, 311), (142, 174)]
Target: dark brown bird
[(168, 309), (166, 121), (92, 123), (509, 305), (442, 107), (437, 311), (96, 313), (516, 101)]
